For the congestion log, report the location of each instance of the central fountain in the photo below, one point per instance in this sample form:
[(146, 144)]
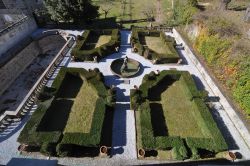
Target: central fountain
[(125, 67)]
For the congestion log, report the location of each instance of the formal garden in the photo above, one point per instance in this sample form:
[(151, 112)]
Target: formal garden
[(154, 45), (93, 45), (172, 119), (74, 116)]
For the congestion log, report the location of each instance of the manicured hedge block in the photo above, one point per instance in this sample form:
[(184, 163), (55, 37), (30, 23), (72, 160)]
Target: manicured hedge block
[(37, 133), (81, 54), (140, 100), (168, 41), (29, 135)]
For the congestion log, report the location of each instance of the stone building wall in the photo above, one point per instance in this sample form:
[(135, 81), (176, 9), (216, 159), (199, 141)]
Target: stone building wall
[(15, 34), (11, 70)]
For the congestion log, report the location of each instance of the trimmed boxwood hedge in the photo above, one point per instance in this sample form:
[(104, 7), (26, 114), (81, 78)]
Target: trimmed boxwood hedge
[(167, 40), (140, 101), (57, 142), (30, 136), (80, 54)]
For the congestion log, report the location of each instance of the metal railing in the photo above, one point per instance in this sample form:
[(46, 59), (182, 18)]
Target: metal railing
[(10, 27), (31, 98)]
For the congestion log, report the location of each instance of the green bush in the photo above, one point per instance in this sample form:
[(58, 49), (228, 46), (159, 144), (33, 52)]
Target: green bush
[(88, 55), (167, 40), (193, 3), (47, 141), (195, 154), (151, 75), (64, 150), (179, 153), (214, 141), (48, 149)]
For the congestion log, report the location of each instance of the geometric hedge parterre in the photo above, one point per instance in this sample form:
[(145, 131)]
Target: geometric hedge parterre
[(171, 115), (57, 126)]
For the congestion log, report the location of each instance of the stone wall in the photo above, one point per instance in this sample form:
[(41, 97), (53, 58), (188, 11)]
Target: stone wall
[(11, 70), (15, 34)]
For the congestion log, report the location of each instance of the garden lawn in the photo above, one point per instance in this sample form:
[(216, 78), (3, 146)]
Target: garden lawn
[(103, 39), (80, 118), (134, 10), (157, 45), (181, 113)]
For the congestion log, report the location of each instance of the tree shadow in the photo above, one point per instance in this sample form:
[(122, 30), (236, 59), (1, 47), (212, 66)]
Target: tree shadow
[(223, 129), (106, 134), (119, 125), (70, 86), (184, 60), (198, 82), (56, 116), (213, 99), (81, 151), (154, 93), (28, 161), (158, 120)]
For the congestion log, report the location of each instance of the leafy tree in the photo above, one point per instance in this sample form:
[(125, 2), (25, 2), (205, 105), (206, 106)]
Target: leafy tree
[(77, 11)]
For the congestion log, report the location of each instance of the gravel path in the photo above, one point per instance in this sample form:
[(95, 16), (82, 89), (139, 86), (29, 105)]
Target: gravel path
[(124, 141)]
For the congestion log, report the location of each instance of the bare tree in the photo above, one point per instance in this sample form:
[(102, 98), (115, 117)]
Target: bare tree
[(106, 6), (247, 14), (224, 4), (149, 11)]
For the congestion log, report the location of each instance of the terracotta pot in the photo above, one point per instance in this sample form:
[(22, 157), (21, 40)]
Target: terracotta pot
[(141, 153), (103, 150), (231, 156)]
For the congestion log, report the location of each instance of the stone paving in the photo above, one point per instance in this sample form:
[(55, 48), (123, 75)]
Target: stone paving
[(124, 141)]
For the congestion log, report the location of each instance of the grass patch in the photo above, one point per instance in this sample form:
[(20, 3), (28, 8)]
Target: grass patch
[(103, 39), (77, 118), (180, 117), (81, 114), (157, 45), (171, 115), (154, 45), (96, 43), (131, 11)]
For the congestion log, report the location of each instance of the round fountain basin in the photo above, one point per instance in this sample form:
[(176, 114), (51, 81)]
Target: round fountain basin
[(133, 67)]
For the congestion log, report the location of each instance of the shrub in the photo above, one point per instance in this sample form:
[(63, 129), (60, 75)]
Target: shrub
[(179, 153), (214, 141), (150, 54), (88, 55), (195, 154), (48, 149), (193, 3), (63, 150), (33, 135), (151, 75)]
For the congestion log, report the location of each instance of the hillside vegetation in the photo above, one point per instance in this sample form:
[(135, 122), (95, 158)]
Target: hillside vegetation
[(223, 44)]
